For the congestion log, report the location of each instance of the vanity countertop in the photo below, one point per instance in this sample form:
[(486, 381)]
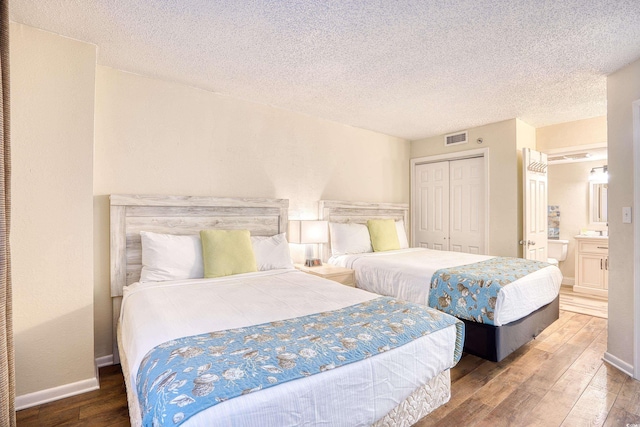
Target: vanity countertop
[(582, 236)]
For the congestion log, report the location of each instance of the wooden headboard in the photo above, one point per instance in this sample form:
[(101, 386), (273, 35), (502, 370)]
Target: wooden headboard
[(359, 213), (131, 214)]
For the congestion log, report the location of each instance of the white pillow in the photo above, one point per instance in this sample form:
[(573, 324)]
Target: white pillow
[(402, 234), (271, 252), (170, 257), (349, 238)]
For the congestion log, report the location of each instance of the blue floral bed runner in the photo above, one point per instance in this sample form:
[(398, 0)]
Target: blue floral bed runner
[(471, 291), (181, 377)]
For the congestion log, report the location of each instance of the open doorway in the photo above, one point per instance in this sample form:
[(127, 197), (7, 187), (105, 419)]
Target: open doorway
[(576, 176)]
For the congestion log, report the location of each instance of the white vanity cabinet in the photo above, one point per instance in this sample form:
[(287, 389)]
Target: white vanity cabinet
[(592, 265)]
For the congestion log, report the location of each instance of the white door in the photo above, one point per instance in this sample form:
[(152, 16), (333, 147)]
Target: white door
[(534, 236), (432, 200), (467, 210), (449, 211)]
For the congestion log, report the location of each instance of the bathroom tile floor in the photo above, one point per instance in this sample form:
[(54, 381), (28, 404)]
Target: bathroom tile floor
[(582, 303)]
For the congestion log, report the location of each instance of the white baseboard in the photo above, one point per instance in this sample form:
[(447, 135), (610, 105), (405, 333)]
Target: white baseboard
[(56, 393), (568, 281), (617, 363), (104, 361)]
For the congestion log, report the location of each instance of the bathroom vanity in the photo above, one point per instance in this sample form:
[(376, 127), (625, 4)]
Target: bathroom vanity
[(592, 265)]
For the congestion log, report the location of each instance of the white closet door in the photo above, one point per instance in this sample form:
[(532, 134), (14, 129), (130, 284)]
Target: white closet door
[(432, 200), (467, 210)]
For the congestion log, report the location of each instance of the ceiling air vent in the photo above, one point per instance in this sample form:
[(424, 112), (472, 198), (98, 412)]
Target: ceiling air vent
[(455, 138), (565, 158)]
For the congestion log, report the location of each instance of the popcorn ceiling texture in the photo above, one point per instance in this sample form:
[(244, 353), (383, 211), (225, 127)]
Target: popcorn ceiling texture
[(410, 69)]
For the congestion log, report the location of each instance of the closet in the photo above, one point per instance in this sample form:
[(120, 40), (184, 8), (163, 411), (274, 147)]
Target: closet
[(449, 205)]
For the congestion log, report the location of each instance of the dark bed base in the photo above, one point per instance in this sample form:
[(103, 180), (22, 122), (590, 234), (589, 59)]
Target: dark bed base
[(494, 343)]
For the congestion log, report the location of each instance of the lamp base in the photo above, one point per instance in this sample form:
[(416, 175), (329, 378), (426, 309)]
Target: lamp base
[(313, 262)]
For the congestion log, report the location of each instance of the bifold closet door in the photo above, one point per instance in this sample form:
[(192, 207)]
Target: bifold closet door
[(466, 206), (450, 205), (432, 200)]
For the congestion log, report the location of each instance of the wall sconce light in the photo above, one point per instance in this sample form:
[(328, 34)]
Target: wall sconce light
[(309, 233), (599, 174)]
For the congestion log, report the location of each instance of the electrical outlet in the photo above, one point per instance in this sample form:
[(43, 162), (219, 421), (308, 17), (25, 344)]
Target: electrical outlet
[(626, 215)]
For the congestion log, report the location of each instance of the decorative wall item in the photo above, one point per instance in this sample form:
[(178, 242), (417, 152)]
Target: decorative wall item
[(553, 222)]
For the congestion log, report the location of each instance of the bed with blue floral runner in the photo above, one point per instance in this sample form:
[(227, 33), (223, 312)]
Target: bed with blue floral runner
[(181, 377), (470, 291)]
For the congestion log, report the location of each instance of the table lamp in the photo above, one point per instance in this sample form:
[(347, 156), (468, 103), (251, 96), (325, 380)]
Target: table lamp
[(309, 233)]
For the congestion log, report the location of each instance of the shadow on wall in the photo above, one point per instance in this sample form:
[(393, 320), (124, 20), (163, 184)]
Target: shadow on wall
[(63, 357), (102, 315)]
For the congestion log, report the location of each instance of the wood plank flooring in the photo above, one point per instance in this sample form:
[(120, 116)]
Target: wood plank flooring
[(559, 379), (100, 408)]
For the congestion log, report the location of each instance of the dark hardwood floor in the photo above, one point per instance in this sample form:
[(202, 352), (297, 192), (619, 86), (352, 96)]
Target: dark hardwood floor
[(100, 408), (559, 379)]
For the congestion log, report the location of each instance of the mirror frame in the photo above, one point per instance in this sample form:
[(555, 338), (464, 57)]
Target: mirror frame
[(593, 198)]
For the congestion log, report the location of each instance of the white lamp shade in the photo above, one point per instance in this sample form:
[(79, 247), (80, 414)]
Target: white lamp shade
[(308, 231)]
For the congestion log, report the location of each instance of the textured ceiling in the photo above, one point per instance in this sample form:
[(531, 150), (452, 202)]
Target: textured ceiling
[(405, 68)]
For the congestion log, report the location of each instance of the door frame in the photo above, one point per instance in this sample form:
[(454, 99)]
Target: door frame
[(459, 155), (636, 238)]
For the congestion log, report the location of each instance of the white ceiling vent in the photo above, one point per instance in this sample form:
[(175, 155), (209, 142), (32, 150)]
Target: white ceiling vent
[(571, 155), (455, 138), (574, 157)]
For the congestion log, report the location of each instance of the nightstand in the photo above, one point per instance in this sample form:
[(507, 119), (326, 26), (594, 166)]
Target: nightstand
[(346, 276)]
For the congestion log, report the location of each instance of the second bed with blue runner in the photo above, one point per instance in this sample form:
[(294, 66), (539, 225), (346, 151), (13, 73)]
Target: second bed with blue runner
[(471, 291)]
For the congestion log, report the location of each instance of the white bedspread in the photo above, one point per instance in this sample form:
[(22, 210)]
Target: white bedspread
[(406, 274), (356, 394)]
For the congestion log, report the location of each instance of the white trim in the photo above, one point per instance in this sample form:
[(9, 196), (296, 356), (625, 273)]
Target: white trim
[(56, 393), (636, 238), (617, 363), (467, 154), (568, 281), (104, 361)]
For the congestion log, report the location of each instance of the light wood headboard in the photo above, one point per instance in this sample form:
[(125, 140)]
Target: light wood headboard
[(131, 214), (359, 213)]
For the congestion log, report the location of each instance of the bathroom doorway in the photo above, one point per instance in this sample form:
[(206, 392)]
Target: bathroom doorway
[(574, 174)]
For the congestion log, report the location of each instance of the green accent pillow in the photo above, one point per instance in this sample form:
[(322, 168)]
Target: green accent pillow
[(384, 236), (227, 252)]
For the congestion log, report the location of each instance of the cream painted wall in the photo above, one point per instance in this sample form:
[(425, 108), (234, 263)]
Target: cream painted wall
[(500, 138), (569, 189), (154, 136), (52, 102), (570, 134), (623, 88)]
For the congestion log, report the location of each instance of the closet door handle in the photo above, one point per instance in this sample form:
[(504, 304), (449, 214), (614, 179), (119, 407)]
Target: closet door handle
[(606, 264), (601, 264)]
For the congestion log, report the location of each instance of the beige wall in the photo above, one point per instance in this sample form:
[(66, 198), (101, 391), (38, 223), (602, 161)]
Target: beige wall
[(623, 88), (158, 137), (500, 138), (569, 189), (571, 134), (52, 101)]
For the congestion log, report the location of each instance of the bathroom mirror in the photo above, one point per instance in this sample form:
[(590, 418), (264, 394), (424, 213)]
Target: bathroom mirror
[(598, 202)]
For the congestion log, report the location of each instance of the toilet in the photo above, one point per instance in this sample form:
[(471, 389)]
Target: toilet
[(556, 251)]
